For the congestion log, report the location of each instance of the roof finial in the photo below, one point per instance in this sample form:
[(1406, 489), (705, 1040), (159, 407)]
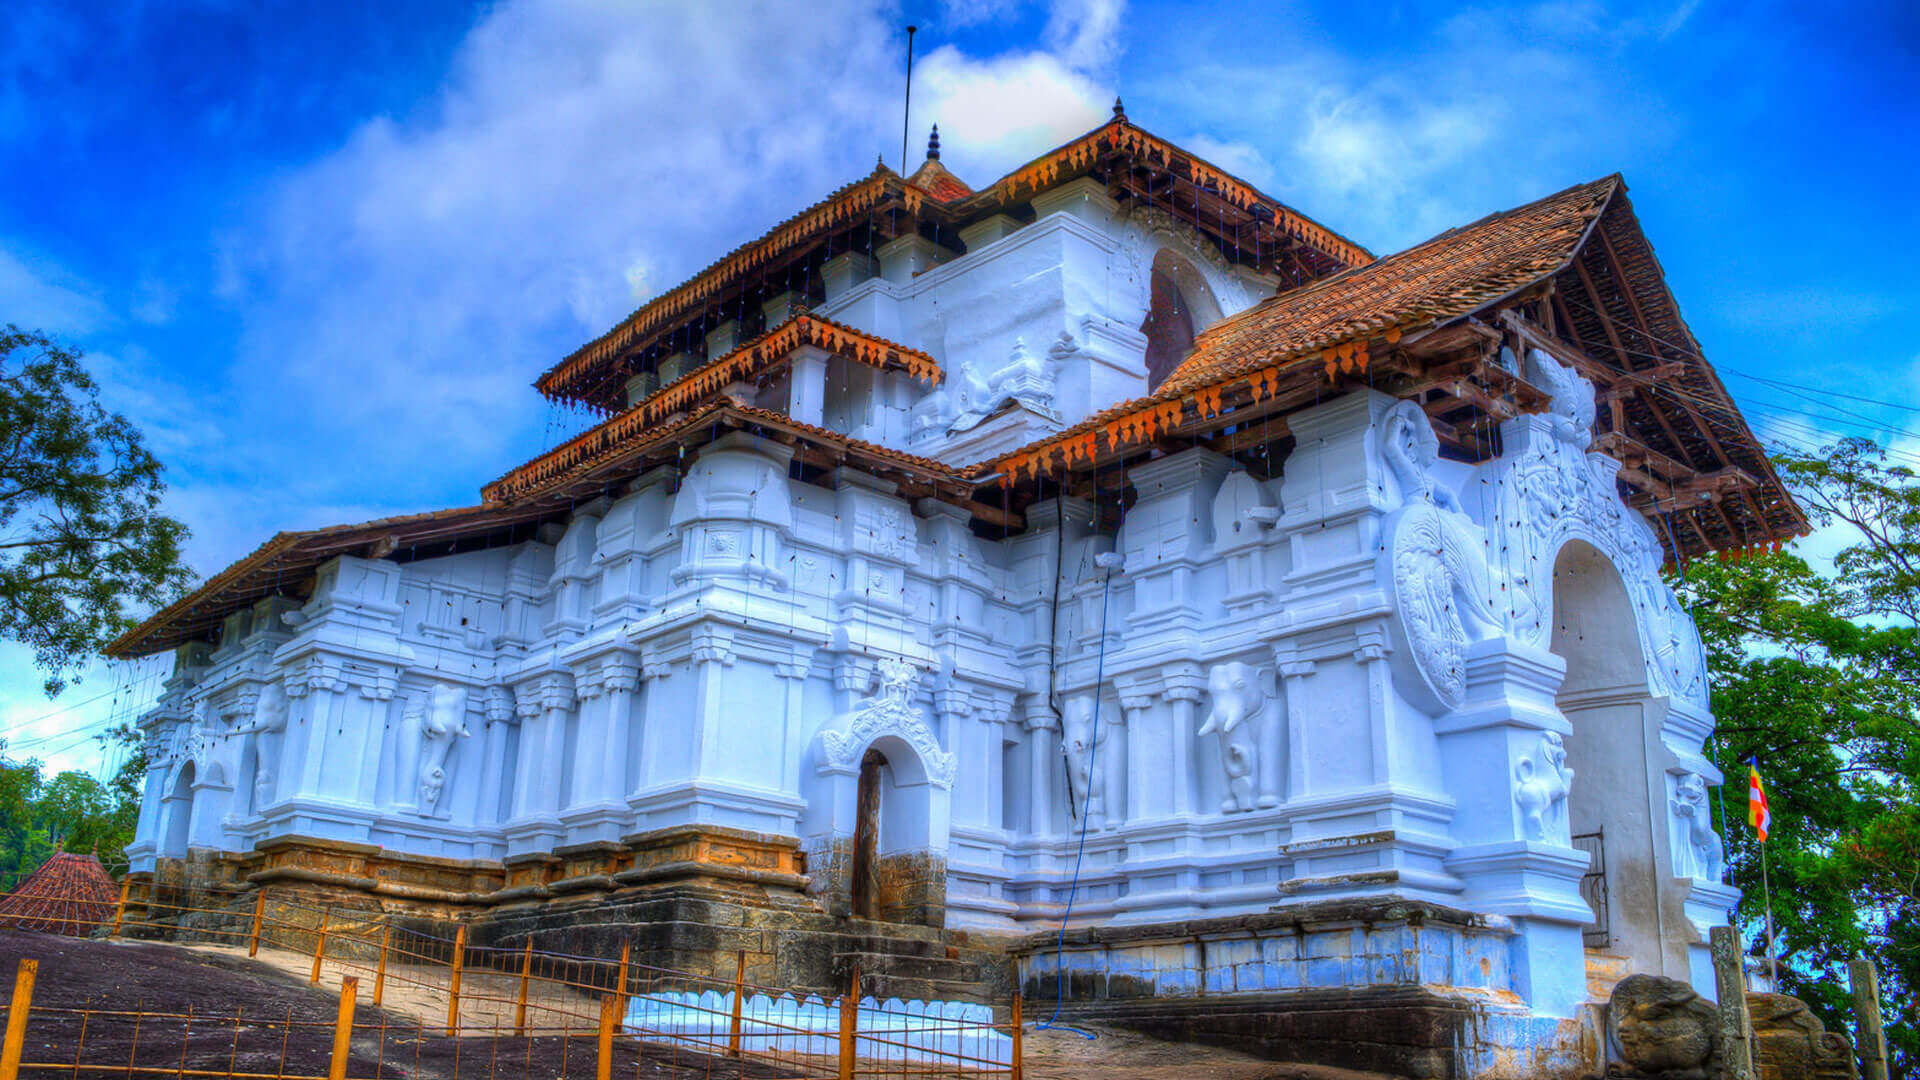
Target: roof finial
[(933, 144), (1119, 110)]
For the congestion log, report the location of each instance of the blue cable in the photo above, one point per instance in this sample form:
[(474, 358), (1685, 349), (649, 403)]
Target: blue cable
[(1073, 889)]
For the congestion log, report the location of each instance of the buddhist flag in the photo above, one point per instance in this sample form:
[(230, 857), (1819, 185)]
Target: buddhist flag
[(1757, 814)]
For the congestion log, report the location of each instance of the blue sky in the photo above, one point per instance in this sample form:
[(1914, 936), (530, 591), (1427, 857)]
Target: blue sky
[(319, 251)]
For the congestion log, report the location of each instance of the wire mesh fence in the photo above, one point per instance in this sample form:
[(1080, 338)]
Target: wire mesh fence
[(493, 1011)]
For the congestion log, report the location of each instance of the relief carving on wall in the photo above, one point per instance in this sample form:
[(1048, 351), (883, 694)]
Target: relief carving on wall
[(1541, 783), (432, 725), (1083, 741), (888, 710), (266, 729), (1440, 573), (1554, 489), (1239, 707), (1692, 812)]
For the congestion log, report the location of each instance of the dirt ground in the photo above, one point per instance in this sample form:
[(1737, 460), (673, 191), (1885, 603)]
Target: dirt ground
[(228, 1014), (261, 1017)]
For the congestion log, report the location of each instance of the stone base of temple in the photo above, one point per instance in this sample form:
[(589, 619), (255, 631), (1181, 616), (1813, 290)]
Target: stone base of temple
[(1404, 987)]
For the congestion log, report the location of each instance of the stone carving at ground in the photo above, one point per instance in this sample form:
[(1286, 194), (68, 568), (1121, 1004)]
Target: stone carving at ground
[(889, 710), (1541, 783), (1792, 1042), (1239, 704), (1707, 853), (1663, 1030), (1083, 742), (1440, 571)]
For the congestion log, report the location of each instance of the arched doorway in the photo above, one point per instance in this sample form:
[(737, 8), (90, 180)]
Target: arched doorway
[(1179, 306), (866, 837), (179, 814), (1610, 707)]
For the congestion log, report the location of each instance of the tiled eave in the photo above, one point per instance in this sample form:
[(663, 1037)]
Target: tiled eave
[(748, 361)]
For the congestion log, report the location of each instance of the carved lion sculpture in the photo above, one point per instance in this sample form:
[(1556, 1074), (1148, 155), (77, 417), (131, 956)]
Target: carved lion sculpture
[(1540, 786), (1792, 1042), (1690, 805), (1663, 1029)]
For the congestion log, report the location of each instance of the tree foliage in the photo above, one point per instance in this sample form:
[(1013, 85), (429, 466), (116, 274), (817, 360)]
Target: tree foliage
[(1817, 675), (83, 542), (70, 811)]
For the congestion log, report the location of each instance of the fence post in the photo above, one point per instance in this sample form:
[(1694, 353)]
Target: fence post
[(1872, 1040), (343, 1029), (739, 998), (17, 1019), (320, 945), (1017, 1071), (1729, 981), (259, 913), (849, 1024), (526, 976), (380, 970), (459, 964), (620, 986), (120, 909), (608, 1010)]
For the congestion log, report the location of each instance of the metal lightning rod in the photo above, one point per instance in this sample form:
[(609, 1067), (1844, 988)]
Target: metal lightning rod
[(907, 109)]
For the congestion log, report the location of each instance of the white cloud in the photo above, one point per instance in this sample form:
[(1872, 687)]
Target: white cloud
[(39, 295)]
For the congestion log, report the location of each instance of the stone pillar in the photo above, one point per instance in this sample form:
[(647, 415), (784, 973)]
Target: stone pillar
[(622, 678), (1184, 684), (495, 773), (807, 383), (1370, 815), (1043, 763), (1135, 709)]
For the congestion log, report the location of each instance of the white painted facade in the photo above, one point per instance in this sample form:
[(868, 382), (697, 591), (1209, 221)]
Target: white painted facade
[(1375, 674)]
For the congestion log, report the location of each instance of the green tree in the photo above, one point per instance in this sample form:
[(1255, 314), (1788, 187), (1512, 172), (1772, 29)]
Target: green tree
[(71, 811), (1818, 676), (83, 542)]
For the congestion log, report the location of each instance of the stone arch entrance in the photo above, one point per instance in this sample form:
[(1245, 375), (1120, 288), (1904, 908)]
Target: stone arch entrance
[(1612, 748), (179, 813)]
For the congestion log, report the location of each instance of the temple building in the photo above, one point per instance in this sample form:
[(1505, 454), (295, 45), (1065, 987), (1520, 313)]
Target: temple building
[(1112, 545)]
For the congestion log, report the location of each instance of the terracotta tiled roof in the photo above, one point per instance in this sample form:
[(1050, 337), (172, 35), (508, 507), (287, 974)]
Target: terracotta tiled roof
[(942, 196), (858, 199), (1332, 321), (750, 359), (69, 894)]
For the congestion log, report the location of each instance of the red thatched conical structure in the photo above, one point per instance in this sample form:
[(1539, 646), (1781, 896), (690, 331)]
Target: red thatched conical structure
[(69, 894)]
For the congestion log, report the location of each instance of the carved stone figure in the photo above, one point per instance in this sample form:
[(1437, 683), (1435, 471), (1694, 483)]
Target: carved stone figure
[(266, 729), (1792, 1042), (1690, 806), (1663, 1030), (1083, 742), (889, 710), (443, 720), (1439, 562), (1573, 405), (1541, 781), (1239, 704)]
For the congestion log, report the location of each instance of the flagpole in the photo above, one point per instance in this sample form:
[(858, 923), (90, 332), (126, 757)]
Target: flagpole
[(1766, 893)]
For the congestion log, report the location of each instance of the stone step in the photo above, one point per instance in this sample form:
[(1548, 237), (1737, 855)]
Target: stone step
[(1604, 971), (928, 978)]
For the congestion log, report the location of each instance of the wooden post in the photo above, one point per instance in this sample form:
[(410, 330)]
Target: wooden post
[(609, 1009), (620, 984), (1017, 1072), (739, 998), (17, 1009), (380, 970), (259, 915), (120, 909), (849, 1024), (320, 946), (526, 976), (1871, 1042), (343, 1029), (459, 964), (1730, 986)]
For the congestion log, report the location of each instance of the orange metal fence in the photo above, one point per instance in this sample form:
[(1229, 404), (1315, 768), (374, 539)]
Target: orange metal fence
[(536, 1007)]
